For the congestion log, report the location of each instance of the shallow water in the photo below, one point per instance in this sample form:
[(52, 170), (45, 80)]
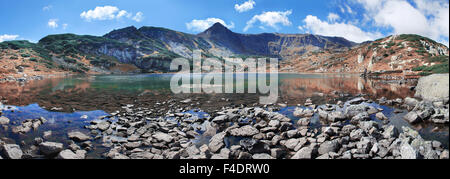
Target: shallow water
[(97, 96)]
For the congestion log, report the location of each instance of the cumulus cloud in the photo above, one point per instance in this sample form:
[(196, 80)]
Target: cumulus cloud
[(246, 6), (138, 17), (52, 23), (6, 37), (428, 18), (348, 31), (201, 25), (271, 19), (47, 8), (109, 13), (332, 17)]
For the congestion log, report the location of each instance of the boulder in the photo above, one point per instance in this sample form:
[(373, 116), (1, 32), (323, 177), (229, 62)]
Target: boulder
[(254, 146), (433, 87), (245, 131), (217, 142), (354, 110), (262, 156), (163, 137), (328, 146), (68, 154), (50, 148), (381, 116), (4, 120), (12, 151), (305, 153), (220, 119), (408, 152), (412, 117), (364, 116), (411, 101), (103, 126), (390, 132), (78, 136)]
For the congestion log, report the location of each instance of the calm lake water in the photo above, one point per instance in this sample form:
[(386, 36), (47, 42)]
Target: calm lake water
[(96, 96)]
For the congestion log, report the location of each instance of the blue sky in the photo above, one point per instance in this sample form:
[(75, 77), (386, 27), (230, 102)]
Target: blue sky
[(356, 20)]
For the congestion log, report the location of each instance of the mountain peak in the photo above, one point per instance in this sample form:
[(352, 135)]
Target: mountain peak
[(216, 29), (127, 32)]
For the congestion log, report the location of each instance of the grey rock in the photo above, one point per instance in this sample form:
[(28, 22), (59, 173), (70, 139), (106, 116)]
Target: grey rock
[(245, 131), (68, 154), (103, 126), (328, 146), (381, 116), (412, 117), (262, 156), (220, 119), (78, 136), (217, 142), (50, 148), (12, 151), (390, 132), (163, 137), (408, 152), (305, 153), (433, 87), (4, 120)]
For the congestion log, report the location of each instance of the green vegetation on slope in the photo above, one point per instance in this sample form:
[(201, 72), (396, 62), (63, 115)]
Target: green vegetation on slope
[(441, 67)]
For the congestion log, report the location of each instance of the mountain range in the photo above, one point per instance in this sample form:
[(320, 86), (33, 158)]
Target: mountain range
[(151, 49)]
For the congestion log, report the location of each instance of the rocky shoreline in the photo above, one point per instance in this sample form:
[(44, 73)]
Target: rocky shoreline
[(257, 132), (178, 129)]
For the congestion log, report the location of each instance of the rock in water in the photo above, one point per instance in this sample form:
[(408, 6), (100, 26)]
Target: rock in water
[(68, 154), (4, 120), (50, 148), (12, 151), (216, 143), (78, 136), (412, 117), (381, 116), (433, 87)]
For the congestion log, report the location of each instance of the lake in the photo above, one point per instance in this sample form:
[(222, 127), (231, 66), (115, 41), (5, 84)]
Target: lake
[(70, 103)]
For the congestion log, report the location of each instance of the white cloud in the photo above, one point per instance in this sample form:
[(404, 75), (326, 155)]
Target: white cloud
[(348, 31), (109, 13), (246, 6), (332, 17), (349, 10), (6, 37), (201, 25), (64, 26), (53, 23), (138, 17), (428, 18), (271, 19), (47, 8)]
